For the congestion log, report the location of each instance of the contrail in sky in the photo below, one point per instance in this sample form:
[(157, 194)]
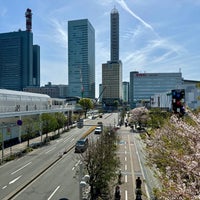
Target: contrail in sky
[(125, 7)]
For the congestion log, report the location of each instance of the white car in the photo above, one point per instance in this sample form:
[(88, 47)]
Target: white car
[(98, 130)]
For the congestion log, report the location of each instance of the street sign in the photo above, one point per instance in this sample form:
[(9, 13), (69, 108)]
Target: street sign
[(19, 122)]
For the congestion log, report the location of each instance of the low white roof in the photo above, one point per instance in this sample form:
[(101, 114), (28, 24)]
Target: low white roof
[(20, 93)]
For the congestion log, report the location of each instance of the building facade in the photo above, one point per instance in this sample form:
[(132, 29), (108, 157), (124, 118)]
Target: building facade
[(145, 85), (191, 96), (125, 91), (81, 58), (36, 65), (54, 91), (114, 35), (112, 70), (19, 58), (112, 81)]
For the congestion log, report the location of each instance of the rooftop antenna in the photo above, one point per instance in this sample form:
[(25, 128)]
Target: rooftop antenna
[(28, 15)]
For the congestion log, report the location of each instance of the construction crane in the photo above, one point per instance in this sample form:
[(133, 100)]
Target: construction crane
[(100, 95)]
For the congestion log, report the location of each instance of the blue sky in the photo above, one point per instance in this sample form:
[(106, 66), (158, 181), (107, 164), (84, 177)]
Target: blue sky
[(155, 35)]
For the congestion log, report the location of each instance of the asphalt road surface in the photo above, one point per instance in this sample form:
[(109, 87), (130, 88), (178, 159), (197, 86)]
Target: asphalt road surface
[(61, 177)]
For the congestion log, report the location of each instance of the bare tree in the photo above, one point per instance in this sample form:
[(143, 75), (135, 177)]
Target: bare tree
[(102, 163)]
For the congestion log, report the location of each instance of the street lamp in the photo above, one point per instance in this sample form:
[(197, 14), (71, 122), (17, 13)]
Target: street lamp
[(83, 183)]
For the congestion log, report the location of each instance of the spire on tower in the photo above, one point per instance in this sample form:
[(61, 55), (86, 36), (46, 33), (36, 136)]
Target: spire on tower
[(28, 15)]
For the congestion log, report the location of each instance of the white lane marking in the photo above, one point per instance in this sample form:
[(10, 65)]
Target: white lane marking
[(125, 178), (125, 167), (125, 158), (131, 162), (125, 152), (4, 187), (73, 168), (50, 150), (21, 168), (53, 193), (14, 180), (126, 195), (142, 170), (125, 146)]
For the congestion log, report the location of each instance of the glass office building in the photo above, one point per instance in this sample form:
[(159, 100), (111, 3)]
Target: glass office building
[(19, 61), (125, 91), (145, 85), (81, 58)]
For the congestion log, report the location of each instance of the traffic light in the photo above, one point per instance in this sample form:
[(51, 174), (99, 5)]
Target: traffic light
[(178, 100)]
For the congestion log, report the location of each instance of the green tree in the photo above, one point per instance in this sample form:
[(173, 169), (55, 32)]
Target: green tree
[(49, 123), (157, 118), (30, 127), (116, 104), (86, 104), (61, 120)]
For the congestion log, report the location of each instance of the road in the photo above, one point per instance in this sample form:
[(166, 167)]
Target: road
[(18, 172), (61, 179)]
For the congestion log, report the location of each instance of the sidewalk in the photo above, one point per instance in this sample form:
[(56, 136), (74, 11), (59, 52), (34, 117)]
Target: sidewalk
[(19, 148)]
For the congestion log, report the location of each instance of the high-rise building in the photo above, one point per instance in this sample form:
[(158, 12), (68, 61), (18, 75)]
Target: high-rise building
[(112, 80), (112, 70), (125, 93), (19, 59), (81, 58), (36, 65), (114, 35)]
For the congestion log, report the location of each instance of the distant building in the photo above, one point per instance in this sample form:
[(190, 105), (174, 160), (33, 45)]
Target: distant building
[(125, 92), (19, 59), (36, 65), (112, 70), (54, 91), (81, 58), (145, 85), (112, 80), (192, 93), (191, 98)]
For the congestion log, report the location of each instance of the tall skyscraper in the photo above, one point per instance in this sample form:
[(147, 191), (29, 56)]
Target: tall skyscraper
[(114, 35), (81, 58), (19, 59), (112, 70)]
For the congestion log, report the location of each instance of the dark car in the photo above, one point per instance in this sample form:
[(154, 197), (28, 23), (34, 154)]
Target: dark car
[(81, 145)]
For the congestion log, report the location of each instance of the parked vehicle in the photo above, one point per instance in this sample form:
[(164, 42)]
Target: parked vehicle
[(81, 145)]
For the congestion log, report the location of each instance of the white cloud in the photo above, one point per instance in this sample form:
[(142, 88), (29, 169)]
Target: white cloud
[(61, 34), (123, 4)]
